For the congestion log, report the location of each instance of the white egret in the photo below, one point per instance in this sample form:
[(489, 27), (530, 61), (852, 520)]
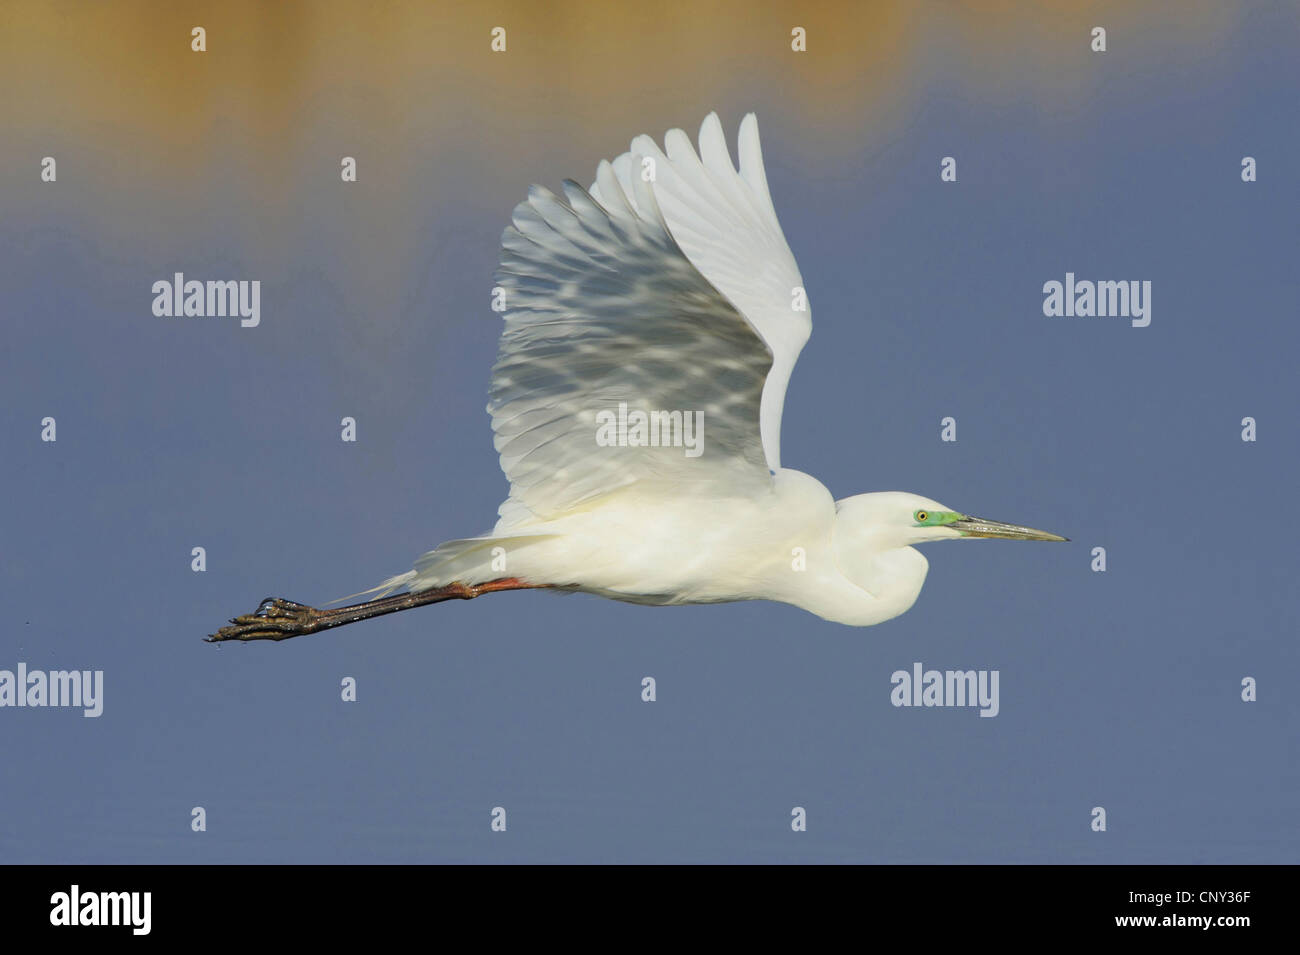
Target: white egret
[(652, 322)]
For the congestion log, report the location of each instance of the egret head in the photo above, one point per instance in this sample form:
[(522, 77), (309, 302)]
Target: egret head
[(898, 519)]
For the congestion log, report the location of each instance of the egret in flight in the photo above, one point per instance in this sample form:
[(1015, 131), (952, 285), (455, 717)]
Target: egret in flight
[(652, 322)]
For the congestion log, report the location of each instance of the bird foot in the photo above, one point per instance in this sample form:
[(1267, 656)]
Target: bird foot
[(274, 619)]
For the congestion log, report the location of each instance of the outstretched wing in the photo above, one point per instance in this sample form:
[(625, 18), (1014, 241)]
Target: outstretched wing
[(726, 224), (608, 316)]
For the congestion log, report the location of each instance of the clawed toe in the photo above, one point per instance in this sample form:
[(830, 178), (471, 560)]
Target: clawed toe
[(274, 619)]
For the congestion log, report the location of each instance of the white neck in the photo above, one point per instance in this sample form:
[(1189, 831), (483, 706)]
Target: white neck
[(879, 581)]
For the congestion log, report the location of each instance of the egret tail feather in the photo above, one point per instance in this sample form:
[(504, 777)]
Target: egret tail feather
[(392, 584)]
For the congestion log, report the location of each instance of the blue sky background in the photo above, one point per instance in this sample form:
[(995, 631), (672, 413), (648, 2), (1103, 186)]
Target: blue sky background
[(1119, 689)]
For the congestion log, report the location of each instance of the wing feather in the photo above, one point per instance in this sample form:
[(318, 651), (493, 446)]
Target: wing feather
[(604, 310), (725, 223), (670, 294)]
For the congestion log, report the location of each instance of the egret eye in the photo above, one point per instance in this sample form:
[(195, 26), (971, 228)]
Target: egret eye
[(921, 517)]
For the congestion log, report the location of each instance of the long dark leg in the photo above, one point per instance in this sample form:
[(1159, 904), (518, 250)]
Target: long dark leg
[(280, 619)]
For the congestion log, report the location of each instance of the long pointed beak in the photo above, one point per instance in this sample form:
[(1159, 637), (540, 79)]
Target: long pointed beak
[(979, 527)]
